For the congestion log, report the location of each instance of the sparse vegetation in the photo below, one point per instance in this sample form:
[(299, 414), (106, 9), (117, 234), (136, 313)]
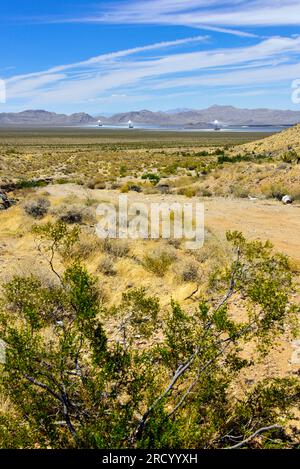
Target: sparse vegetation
[(107, 266), (141, 343), (76, 214), (190, 272), (37, 208), (116, 247), (275, 191), (153, 178), (72, 384), (159, 261)]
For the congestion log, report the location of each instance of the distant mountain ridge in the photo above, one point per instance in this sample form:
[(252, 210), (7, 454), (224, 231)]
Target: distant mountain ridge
[(185, 118), (226, 115), (44, 118)]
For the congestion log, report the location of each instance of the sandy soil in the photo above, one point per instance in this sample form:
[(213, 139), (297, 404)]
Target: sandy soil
[(257, 219)]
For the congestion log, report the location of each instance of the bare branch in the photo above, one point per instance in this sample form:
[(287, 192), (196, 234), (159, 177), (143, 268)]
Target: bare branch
[(66, 405), (180, 371), (43, 386), (193, 384), (257, 432), (192, 294), (230, 290), (51, 260)]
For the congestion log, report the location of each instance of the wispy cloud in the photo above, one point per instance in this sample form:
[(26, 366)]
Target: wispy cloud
[(217, 15), (197, 12), (109, 57), (271, 60)]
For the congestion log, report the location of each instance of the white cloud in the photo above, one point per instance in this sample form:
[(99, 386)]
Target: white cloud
[(106, 58), (264, 75), (126, 72), (196, 13), (30, 84)]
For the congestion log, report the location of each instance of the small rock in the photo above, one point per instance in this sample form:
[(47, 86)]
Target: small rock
[(287, 199), (249, 382), (5, 202), (283, 166), (163, 188)]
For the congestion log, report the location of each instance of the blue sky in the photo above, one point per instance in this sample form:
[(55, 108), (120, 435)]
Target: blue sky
[(118, 55)]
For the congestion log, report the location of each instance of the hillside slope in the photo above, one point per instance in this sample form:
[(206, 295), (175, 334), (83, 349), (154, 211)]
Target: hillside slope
[(276, 144)]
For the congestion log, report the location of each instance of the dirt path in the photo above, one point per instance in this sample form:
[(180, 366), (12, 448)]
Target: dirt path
[(258, 219)]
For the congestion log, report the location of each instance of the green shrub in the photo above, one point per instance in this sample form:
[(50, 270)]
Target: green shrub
[(123, 170), (158, 379), (153, 178), (28, 184), (290, 157)]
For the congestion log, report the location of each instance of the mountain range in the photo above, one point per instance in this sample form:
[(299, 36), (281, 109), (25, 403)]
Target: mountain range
[(44, 118), (185, 118)]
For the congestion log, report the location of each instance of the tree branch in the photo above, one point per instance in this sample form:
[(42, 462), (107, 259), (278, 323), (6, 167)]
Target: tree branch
[(257, 432), (43, 386)]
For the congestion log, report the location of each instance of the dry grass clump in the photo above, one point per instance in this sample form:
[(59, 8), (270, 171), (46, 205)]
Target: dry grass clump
[(97, 183), (124, 188), (274, 190), (91, 202), (116, 247), (214, 252), (239, 191), (159, 261), (182, 182), (76, 214), (37, 208), (88, 245), (204, 192), (190, 191), (175, 242), (189, 272), (107, 266)]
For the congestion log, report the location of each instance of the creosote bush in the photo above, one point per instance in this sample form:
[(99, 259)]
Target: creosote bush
[(152, 177), (74, 385)]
